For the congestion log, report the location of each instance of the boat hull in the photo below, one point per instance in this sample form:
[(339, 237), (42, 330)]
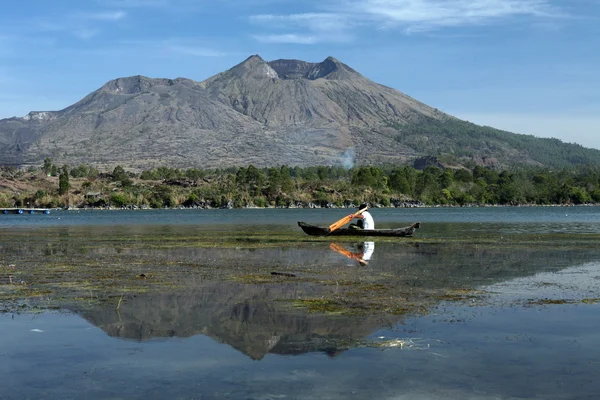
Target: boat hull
[(320, 231)]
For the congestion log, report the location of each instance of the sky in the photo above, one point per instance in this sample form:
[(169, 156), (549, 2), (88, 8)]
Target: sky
[(526, 66)]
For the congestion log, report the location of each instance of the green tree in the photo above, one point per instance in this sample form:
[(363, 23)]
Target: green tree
[(148, 175), (254, 179), (490, 176), (162, 196), (240, 179), (463, 175), (322, 172), (194, 174), (63, 180), (118, 173), (427, 185), (287, 184), (80, 171), (578, 195), (84, 171), (369, 176), (118, 199), (274, 181), (399, 182), (446, 178), (47, 165)]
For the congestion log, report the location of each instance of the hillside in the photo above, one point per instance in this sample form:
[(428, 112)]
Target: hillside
[(267, 114)]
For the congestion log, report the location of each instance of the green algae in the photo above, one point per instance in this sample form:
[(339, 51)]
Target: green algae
[(591, 301), (323, 306), (66, 268), (462, 295), (540, 302), (354, 306)]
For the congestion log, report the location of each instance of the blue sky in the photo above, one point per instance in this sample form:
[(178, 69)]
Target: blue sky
[(528, 66)]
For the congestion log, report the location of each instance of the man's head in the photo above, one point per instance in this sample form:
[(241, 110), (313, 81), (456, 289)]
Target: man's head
[(363, 205)]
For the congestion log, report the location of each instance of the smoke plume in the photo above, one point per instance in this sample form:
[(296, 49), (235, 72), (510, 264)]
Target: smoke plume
[(348, 158)]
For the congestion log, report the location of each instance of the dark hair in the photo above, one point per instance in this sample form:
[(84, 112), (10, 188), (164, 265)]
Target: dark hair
[(363, 205)]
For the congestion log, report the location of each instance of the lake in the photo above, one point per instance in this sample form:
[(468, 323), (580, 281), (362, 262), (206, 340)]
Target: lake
[(481, 303)]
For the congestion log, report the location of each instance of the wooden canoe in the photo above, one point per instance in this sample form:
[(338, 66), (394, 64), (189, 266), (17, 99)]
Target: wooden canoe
[(319, 231)]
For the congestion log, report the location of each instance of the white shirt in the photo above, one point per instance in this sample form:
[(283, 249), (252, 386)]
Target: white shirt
[(368, 222)]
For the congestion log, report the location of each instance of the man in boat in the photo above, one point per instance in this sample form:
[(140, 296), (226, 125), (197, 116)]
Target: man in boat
[(365, 219)]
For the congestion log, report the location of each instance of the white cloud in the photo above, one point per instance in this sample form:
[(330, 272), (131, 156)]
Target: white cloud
[(134, 3), (141, 48), (86, 33), (412, 16), (103, 16), (83, 25), (194, 51), (171, 6), (320, 27), (287, 38), (314, 21), (418, 15)]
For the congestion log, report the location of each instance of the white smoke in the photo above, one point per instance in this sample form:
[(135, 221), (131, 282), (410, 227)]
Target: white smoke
[(348, 158)]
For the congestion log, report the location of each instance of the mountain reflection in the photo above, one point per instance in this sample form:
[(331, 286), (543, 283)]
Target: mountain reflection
[(254, 319), (260, 318)]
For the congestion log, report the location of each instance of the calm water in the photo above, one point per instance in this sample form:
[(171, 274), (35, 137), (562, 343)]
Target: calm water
[(535, 335), (384, 216), (467, 220)]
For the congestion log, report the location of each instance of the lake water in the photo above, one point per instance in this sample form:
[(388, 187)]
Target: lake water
[(482, 303)]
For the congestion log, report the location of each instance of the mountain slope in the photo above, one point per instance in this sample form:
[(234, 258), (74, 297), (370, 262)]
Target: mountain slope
[(263, 113)]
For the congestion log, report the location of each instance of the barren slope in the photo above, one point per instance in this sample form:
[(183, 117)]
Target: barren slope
[(265, 113)]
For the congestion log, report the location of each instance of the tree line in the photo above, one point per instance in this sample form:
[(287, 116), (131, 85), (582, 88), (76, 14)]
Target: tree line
[(285, 186)]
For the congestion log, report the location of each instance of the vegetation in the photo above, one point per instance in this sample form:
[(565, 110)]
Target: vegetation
[(457, 141), (319, 186), (63, 180)]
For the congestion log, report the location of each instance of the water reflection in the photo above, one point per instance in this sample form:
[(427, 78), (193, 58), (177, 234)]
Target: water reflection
[(260, 317), (231, 310), (363, 255), (194, 290), (256, 320)]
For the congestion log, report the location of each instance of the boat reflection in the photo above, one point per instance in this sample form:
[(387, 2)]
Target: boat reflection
[(363, 255)]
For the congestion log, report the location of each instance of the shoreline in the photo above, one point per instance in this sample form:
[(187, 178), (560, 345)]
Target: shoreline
[(318, 207)]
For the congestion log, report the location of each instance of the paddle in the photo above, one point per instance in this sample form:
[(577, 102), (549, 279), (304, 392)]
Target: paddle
[(345, 220)]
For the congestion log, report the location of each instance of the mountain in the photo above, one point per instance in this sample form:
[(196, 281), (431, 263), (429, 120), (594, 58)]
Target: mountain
[(267, 114)]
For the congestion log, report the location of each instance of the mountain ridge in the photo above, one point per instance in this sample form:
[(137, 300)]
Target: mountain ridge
[(259, 112)]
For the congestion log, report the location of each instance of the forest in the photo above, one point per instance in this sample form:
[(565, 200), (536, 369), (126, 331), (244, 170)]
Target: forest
[(84, 186), (454, 140)]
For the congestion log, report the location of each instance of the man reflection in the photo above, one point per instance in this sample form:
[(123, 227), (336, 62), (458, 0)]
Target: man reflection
[(367, 248), (365, 253)]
